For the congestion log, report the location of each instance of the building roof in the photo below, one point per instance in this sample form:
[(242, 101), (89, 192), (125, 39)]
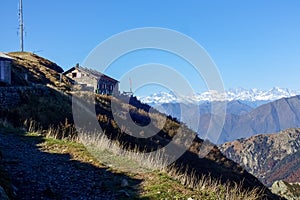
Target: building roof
[(3, 55), (92, 72)]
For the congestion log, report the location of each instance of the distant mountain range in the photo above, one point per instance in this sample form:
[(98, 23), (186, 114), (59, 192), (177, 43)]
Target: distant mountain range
[(241, 94), (270, 157), (248, 112)]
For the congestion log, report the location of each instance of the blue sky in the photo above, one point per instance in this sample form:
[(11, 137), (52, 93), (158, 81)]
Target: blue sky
[(255, 44)]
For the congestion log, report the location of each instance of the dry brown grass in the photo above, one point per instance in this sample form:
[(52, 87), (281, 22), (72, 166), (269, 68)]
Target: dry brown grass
[(205, 186), (38, 70), (155, 172), (62, 131)]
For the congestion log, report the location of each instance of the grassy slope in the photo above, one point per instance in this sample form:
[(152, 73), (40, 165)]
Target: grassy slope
[(39, 71), (154, 184), (45, 111)]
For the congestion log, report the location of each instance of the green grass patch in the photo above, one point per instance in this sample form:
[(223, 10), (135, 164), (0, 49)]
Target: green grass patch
[(162, 186), (114, 161)]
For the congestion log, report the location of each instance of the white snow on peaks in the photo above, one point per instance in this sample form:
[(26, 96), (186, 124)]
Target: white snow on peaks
[(242, 94)]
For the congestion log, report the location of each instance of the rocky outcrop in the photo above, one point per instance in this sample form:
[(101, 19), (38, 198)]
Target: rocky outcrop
[(290, 191), (269, 157)]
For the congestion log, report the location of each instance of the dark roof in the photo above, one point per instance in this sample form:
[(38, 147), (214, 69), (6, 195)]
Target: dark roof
[(92, 72)]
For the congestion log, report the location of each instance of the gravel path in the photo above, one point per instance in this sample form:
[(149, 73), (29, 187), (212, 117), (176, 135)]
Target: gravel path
[(38, 174)]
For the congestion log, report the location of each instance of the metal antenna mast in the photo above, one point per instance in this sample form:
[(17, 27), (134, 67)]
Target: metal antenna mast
[(21, 26), (130, 82)]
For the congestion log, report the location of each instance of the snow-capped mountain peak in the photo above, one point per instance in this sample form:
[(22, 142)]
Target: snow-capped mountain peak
[(242, 94)]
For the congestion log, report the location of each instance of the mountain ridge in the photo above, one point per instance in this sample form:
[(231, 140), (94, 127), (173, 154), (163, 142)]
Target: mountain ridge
[(241, 120), (247, 95)]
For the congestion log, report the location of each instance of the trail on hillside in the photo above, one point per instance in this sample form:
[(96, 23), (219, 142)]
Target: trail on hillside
[(41, 173)]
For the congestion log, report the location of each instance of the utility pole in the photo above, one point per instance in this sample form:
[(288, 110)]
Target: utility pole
[(21, 26)]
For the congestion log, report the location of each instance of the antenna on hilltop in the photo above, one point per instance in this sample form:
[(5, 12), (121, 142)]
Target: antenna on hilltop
[(21, 26), (130, 82), (130, 92)]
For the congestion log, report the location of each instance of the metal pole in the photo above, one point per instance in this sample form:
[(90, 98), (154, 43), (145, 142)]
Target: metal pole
[(21, 27), (130, 82)]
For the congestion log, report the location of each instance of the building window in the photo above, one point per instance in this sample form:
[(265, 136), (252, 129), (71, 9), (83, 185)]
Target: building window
[(2, 66), (74, 75)]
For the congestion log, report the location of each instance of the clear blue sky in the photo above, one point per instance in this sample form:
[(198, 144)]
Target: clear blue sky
[(255, 44)]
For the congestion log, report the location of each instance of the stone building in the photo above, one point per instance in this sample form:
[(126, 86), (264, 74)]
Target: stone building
[(92, 80), (5, 68)]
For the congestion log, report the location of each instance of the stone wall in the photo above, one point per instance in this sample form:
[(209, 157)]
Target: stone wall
[(13, 96)]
